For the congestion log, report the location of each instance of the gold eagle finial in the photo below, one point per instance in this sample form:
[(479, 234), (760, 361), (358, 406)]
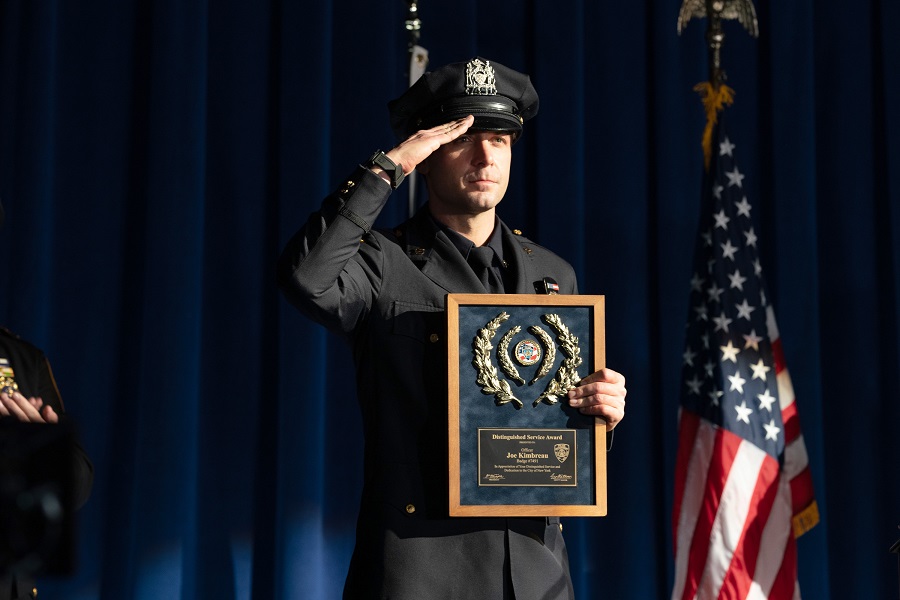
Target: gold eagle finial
[(742, 10)]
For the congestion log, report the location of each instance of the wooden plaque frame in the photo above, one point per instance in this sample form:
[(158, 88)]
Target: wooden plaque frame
[(466, 319)]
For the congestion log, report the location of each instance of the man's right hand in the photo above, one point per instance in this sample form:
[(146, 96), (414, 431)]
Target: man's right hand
[(27, 410), (422, 144)]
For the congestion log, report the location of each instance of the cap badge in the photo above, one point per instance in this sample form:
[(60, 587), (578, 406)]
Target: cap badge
[(480, 79)]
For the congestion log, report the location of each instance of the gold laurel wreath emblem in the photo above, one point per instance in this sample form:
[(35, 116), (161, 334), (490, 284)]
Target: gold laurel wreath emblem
[(549, 352), (566, 375), (487, 373), (503, 355)]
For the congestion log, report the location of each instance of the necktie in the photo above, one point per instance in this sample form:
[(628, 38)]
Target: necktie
[(481, 260)]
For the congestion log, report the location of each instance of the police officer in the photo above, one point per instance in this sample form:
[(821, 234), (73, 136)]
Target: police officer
[(384, 291), (28, 394)]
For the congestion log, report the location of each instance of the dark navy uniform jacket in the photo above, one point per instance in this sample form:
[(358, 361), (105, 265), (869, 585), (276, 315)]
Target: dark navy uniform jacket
[(385, 292), (33, 376)]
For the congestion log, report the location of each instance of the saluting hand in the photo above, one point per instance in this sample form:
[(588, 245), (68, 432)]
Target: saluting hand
[(601, 394), (421, 144), (27, 410)]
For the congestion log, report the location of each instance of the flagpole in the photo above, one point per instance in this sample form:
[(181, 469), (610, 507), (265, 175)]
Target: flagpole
[(413, 24), (714, 93), (715, 37), (418, 62)]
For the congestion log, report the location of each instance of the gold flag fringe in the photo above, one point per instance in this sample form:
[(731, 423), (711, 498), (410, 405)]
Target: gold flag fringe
[(714, 99), (806, 519)]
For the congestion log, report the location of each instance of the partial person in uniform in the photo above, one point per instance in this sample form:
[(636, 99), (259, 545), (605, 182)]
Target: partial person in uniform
[(384, 291), (28, 394)]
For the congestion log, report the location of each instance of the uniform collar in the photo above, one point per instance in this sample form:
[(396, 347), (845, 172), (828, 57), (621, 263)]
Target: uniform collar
[(429, 246), (465, 245)]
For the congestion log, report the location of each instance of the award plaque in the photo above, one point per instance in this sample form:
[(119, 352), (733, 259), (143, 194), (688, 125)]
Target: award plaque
[(516, 446)]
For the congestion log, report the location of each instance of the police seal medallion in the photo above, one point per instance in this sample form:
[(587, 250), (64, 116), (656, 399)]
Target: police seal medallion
[(528, 352)]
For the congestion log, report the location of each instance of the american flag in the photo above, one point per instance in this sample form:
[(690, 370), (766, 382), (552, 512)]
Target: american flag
[(743, 490)]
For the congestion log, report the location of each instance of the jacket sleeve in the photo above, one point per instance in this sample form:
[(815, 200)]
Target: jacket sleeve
[(82, 467), (326, 269)]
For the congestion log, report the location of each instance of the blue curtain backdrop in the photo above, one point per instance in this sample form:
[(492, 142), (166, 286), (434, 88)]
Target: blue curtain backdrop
[(155, 155)]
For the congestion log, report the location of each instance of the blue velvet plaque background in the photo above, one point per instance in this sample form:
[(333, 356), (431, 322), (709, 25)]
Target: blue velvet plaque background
[(478, 410)]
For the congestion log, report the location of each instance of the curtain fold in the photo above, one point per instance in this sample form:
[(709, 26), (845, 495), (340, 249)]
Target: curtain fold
[(155, 155)]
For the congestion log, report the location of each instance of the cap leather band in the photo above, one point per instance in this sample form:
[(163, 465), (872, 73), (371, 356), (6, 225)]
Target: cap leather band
[(472, 108), (480, 106), (493, 111)]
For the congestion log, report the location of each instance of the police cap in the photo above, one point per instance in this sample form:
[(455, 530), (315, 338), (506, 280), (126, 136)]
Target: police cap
[(500, 98)]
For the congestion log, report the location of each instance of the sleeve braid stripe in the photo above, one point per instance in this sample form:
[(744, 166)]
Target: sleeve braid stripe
[(355, 218)]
